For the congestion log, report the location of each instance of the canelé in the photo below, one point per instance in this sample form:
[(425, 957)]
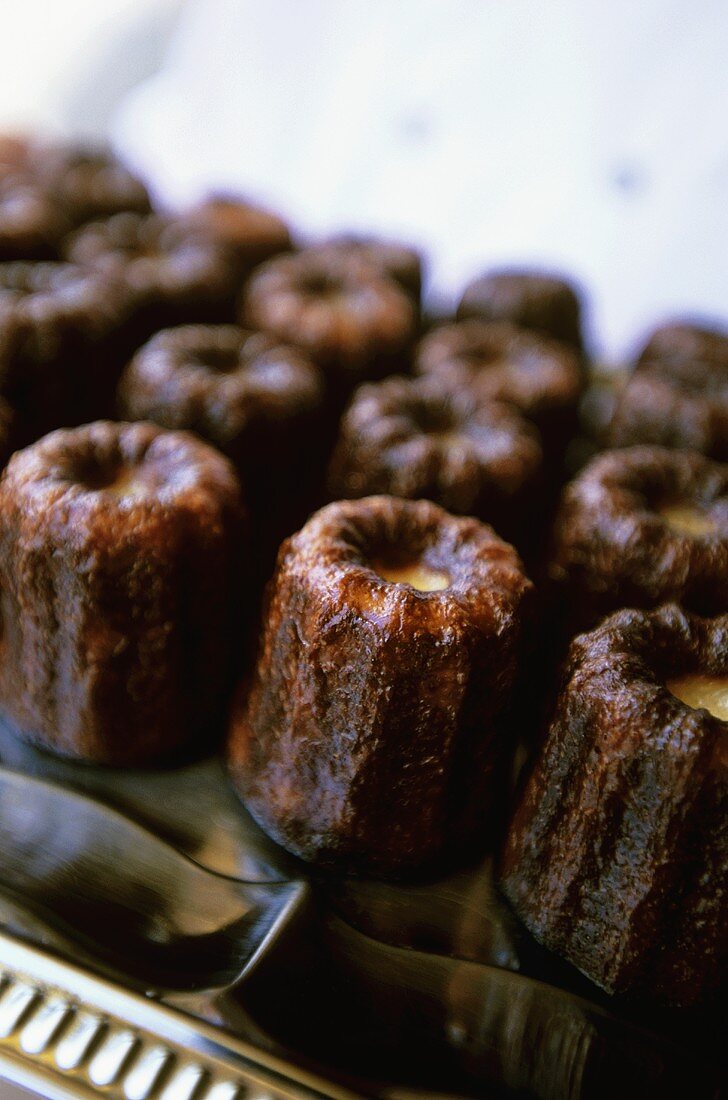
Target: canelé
[(537, 300), (353, 320), (175, 271), (250, 232), (397, 260), (375, 734), (59, 355), (677, 344), (539, 376), (639, 527), (15, 151), (420, 438), (617, 853), (88, 182), (257, 401), (120, 554), (32, 224), (682, 404)]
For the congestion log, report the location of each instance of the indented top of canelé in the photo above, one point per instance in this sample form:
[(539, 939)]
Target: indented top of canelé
[(701, 691), (106, 481), (219, 380), (665, 659), (643, 525), (499, 360), (342, 311), (422, 437), (407, 566)]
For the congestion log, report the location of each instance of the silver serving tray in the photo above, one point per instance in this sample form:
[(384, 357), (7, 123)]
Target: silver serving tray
[(157, 944)]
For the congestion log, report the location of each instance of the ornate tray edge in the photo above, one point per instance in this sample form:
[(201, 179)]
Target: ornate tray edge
[(66, 1033)]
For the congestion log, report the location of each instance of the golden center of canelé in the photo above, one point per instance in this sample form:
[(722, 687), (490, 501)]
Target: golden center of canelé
[(702, 692), (687, 519), (415, 573)]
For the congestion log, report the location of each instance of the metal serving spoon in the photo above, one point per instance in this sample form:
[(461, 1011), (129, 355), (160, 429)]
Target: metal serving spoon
[(127, 899), (265, 958), (191, 805), (461, 1025)]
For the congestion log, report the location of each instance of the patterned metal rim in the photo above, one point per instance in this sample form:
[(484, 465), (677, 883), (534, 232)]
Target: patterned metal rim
[(67, 1035)]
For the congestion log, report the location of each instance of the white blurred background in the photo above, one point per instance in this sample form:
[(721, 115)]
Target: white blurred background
[(581, 135)]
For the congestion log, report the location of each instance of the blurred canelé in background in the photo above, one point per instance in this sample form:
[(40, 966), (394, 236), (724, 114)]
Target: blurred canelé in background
[(677, 394)]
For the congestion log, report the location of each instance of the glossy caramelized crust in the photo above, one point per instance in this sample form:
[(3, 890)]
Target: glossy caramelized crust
[(259, 402), (678, 344), (119, 549), (682, 404), (32, 223), (398, 261), (353, 320), (374, 734), (535, 300), (176, 271), (420, 438), (539, 376), (252, 233), (617, 854), (614, 545), (59, 362)]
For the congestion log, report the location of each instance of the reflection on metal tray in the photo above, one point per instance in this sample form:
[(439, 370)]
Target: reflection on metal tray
[(66, 1033), (206, 955)]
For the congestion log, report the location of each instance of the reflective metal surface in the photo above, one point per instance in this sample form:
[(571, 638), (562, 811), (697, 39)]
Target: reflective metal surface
[(120, 894), (65, 1033), (161, 885)]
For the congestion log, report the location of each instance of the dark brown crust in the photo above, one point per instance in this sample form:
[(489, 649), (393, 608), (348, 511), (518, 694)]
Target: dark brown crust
[(59, 362), (617, 855), (15, 152), (539, 376), (88, 183), (373, 735), (32, 224), (355, 322), (612, 549), (252, 233), (116, 613), (418, 438), (10, 432), (257, 401), (683, 404), (677, 344), (398, 261), (176, 272), (536, 300)]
